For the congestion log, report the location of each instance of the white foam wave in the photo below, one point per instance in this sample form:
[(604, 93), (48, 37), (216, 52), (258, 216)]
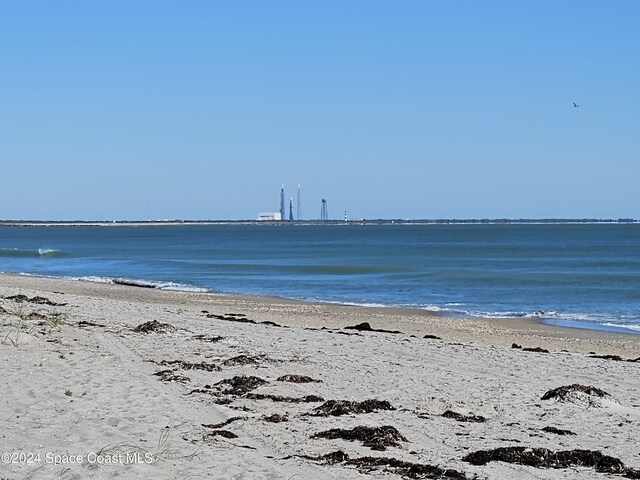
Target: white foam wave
[(29, 252), (623, 325), (94, 279), (180, 287), (337, 302), (48, 252)]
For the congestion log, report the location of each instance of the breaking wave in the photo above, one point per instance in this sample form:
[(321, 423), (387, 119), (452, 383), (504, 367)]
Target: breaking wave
[(131, 282), (30, 252)]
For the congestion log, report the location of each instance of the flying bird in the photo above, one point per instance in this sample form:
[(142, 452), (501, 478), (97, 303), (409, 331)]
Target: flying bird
[(575, 105)]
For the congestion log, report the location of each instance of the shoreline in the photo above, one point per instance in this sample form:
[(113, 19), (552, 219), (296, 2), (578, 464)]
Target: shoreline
[(410, 321), (103, 381), (187, 288)]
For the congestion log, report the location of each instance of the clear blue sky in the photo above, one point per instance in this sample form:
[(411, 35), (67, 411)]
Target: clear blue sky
[(394, 109)]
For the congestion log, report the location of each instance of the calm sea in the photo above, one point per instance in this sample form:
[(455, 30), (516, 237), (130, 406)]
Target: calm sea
[(577, 274)]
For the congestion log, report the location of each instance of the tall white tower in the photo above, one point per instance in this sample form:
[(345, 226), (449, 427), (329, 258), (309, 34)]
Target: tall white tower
[(282, 217)]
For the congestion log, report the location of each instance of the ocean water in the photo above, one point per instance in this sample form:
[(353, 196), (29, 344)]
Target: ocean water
[(584, 275)]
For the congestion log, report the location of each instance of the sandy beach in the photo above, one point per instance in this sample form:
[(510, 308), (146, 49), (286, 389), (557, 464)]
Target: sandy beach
[(111, 381)]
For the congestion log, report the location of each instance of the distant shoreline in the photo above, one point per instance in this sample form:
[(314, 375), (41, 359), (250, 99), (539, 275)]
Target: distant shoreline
[(134, 223)]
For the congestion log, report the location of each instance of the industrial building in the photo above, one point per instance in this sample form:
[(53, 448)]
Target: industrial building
[(269, 216)]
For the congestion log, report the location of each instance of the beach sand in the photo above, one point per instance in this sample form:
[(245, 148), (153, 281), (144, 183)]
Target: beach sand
[(80, 394)]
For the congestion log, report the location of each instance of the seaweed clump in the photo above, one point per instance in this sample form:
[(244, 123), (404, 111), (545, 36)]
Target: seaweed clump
[(366, 327), (207, 367), (37, 300), (535, 349), (616, 358), (242, 360), (391, 465), (297, 379), (557, 431), (464, 418), (567, 392), (545, 458), (171, 376), (240, 318), (85, 323), (208, 338), (530, 349), (280, 398), (222, 424), (275, 418), (154, 326), (219, 433), (376, 438), (336, 408), (240, 385), (231, 317)]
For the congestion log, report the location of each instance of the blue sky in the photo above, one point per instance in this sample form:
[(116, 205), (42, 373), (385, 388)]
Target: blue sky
[(410, 109)]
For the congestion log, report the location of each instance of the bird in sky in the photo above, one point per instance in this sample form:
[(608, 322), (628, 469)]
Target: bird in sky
[(575, 105)]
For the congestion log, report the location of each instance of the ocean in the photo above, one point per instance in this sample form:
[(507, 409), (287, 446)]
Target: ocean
[(581, 275)]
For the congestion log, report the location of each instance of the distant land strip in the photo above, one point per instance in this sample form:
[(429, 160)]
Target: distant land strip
[(356, 221)]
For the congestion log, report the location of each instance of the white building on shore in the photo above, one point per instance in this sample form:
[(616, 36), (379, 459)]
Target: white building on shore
[(269, 216)]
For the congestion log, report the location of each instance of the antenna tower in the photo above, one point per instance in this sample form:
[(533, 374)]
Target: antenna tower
[(299, 204), (323, 212)]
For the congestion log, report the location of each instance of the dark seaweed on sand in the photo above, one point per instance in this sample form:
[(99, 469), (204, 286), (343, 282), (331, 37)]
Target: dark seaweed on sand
[(366, 327), (349, 334), (336, 408), (464, 418), (222, 424), (37, 300), (557, 431), (231, 317), (275, 418), (280, 398), (171, 376), (615, 358), (207, 367), (208, 338), (562, 393), (297, 379), (271, 324), (240, 318), (240, 385), (376, 438), (530, 349), (242, 360), (535, 349), (220, 433), (154, 326), (390, 465), (545, 458), (84, 323)]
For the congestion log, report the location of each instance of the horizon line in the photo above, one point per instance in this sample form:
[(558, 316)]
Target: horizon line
[(317, 221)]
